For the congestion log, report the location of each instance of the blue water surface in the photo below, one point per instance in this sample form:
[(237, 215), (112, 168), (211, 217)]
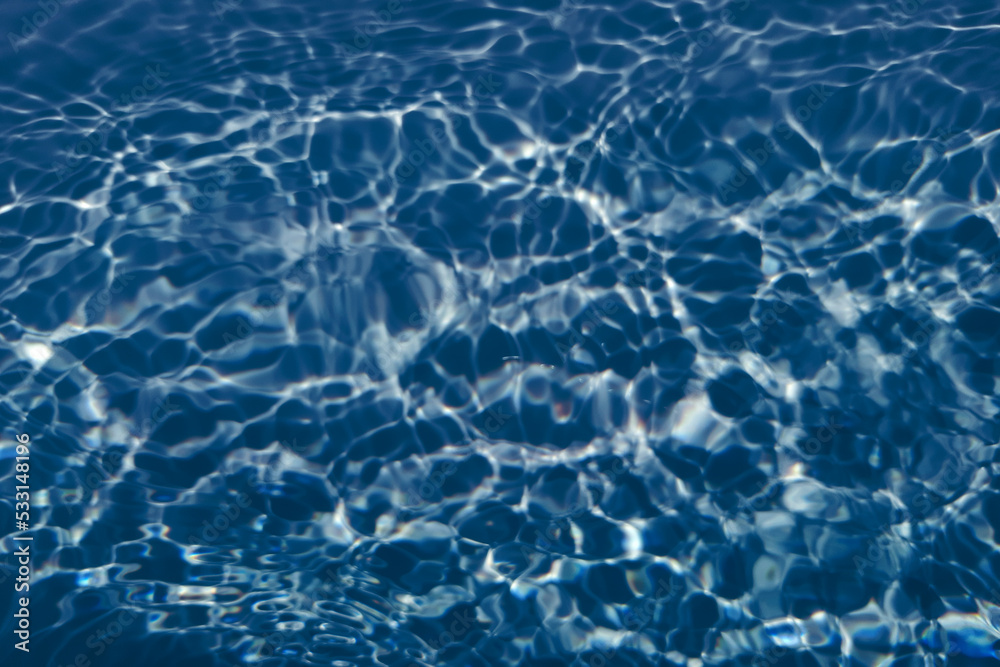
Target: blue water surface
[(501, 332)]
